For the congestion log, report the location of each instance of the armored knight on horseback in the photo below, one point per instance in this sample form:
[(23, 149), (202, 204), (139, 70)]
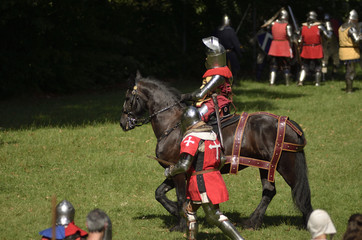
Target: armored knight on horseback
[(217, 79)]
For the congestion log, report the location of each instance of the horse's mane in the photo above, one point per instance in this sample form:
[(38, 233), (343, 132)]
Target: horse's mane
[(161, 90)]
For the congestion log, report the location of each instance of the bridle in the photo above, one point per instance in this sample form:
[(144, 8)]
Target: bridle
[(132, 120)]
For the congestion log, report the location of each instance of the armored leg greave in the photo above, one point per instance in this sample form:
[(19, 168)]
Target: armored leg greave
[(229, 230), (318, 76), (215, 217), (287, 78), (192, 225), (302, 75), (273, 75), (350, 74)]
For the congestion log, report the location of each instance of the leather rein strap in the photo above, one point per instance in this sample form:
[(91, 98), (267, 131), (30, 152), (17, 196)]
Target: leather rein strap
[(279, 146)]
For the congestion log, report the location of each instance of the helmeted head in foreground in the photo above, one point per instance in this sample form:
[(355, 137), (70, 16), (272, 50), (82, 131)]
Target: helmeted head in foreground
[(65, 213), (320, 223), (189, 118), (215, 53)]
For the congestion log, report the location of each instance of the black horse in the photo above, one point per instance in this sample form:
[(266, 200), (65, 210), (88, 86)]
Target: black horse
[(161, 103)]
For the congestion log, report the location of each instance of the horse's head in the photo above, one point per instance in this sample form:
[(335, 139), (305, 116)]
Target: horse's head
[(134, 106)]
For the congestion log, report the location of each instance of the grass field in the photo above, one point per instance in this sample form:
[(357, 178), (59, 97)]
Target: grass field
[(73, 147)]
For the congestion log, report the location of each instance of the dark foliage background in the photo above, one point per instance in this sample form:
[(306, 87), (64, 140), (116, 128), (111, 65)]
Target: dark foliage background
[(63, 46)]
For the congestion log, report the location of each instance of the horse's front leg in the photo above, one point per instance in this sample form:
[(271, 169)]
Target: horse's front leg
[(160, 195), (269, 191), (180, 185), (172, 207)]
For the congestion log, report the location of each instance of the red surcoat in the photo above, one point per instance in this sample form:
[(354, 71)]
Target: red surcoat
[(214, 183), (312, 45), (280, 46)]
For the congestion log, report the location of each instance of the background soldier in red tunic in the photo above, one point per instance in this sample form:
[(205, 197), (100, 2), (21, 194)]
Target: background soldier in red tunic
[(312, 50), (280, 49), (201, 159)]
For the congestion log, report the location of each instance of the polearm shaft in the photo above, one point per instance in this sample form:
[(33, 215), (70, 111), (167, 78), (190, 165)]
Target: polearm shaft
[(54, 213), (216, 105), (242, 19), (161, 160)]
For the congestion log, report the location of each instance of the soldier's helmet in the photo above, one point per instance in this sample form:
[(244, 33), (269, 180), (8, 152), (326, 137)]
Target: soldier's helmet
[(353, 15), (215, 53), (312, 16), (225, 20), (65, 213), (189, 118), (284, 15)]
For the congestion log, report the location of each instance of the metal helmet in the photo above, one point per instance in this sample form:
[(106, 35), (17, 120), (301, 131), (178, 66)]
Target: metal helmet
[(65, 213), (225, 20), (327, 17), (312, 16), (216, 54), (190, 117), (353, 15), (284, 15)]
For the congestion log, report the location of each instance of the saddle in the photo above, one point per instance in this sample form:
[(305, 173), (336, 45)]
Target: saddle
[(280, 145)]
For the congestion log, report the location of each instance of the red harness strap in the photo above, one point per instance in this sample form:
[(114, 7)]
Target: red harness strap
[(277, 148), (237, 143), (280, 146)]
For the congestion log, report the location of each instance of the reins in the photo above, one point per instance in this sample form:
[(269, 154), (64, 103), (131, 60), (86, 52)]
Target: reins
[(148, 119)]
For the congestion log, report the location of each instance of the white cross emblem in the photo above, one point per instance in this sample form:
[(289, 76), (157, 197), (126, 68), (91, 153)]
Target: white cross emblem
[(188, 141), (216, 146)]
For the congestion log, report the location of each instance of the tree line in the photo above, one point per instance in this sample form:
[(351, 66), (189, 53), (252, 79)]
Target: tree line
[(63, 46)]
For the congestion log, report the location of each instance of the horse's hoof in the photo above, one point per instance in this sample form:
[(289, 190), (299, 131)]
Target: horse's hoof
[(178, 228), (249, 225)]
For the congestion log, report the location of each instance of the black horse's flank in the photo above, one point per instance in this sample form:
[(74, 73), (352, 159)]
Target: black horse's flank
[(161, 103)]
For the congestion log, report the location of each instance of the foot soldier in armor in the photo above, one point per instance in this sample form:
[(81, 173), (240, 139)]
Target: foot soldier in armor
[(65, 227), (330, 46), (312, 50), (200, 158), (228, 38), (215, 80), (349, 51), (280, 48)]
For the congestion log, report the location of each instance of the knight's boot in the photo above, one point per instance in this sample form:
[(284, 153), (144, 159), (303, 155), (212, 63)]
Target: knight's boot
[(273, 75), (318, 76), (287, 79), (229, 230), (349, 85), (302, 76)]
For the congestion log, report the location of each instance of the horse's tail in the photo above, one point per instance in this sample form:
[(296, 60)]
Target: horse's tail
[(301, 191)]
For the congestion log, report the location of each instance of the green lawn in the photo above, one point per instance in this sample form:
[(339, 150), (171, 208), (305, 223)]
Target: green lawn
[(73, 147)]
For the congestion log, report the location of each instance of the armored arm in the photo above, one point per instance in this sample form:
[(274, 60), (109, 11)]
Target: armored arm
[(210, 86), (353, 33), (289, 31), (181, 166), (326, 32)]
